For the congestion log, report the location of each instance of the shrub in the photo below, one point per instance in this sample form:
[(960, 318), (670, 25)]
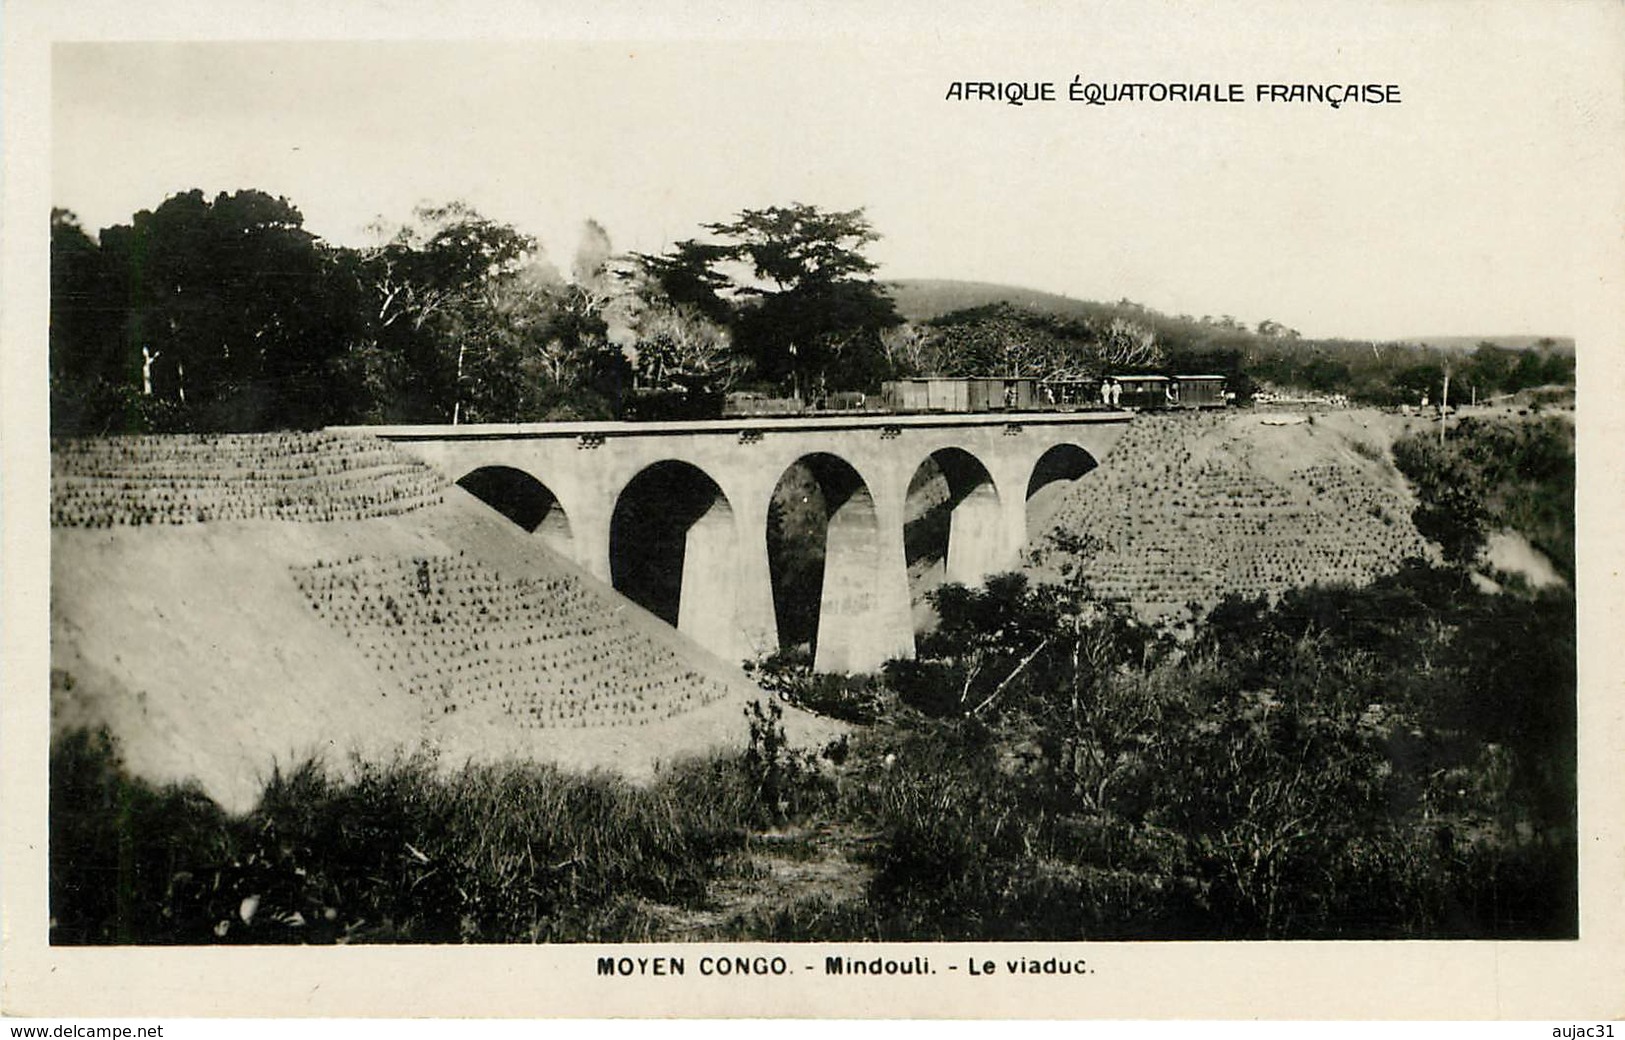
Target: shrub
[(128, 859), (786, 781), (1392, 761), (1347, 763), (851, 698), (397, 851)]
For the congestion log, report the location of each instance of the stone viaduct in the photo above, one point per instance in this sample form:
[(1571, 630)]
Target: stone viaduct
[(686, 504)]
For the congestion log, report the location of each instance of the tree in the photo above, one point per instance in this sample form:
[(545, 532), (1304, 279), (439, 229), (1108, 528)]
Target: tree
[(1325, 374), (225, 307), (686, 277), (584, 308), (679, 346), (89, 373), (1126, 344), (447, 297), (1275, 330), (1006, 340), (1530, 371), (1489, 369), (907, 348), (1451, 496), (1418, 381), (808, 300), (1003, 339)]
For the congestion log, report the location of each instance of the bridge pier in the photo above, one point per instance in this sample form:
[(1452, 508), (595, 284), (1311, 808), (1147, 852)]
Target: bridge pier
[(894, 608), (863, 616), (591, 528), (977, 541), (1012, 533), (707, 599), (755, 625)]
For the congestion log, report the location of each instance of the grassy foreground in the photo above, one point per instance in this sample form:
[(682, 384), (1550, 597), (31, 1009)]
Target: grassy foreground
[(1396, 761)]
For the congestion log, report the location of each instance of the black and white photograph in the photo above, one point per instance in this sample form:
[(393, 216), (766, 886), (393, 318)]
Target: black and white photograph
[(816, 515)]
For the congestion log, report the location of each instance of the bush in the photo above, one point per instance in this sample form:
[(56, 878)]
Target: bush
[(1489, 474), (128, 859), (863, 699), (786, 781), (1349, 763), (1394, 761), (399, 851)]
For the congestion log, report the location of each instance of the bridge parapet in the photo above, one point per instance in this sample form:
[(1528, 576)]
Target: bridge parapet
[(736, 424)]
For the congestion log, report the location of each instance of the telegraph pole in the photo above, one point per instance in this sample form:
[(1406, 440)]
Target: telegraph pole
[(1444, 403)]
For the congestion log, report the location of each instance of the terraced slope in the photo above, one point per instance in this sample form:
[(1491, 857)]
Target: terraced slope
[(129, 481), (1191, 507), (521, 651), (261, 610)]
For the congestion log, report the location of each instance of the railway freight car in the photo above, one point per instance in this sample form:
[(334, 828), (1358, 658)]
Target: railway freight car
[(960, 394), (1200, 391)]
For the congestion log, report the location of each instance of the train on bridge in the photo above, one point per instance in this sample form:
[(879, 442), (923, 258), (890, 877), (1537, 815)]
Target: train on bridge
[(973, 394)]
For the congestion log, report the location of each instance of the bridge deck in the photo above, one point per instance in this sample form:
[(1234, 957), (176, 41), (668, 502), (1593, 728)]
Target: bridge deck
[(732, 424)]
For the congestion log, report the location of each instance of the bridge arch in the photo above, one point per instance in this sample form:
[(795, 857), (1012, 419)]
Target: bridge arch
[(952, 521), (1051, 477), (673, 547), (525, 500), (824, 558)]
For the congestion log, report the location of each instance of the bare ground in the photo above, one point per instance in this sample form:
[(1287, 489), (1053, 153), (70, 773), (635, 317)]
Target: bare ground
[(794, 873)]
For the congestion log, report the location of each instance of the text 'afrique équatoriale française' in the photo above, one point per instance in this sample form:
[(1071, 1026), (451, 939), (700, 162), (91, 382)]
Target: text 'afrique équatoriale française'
[(1102, 92)]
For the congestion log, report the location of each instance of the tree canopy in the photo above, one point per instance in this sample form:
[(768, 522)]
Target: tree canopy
[(794, 285), (225, 313), (221, 308)]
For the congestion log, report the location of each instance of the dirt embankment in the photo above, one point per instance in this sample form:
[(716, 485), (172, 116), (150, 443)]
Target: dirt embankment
[(1191, 507), (217, 649)]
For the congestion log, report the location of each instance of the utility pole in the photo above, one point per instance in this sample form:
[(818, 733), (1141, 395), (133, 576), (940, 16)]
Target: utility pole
[(1444, 404)]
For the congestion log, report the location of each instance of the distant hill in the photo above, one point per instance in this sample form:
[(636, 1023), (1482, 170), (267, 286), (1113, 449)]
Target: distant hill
[(1564, 344), (922, 299)]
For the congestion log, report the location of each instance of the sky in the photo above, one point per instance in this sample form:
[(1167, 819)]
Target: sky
[(1454, 212)]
